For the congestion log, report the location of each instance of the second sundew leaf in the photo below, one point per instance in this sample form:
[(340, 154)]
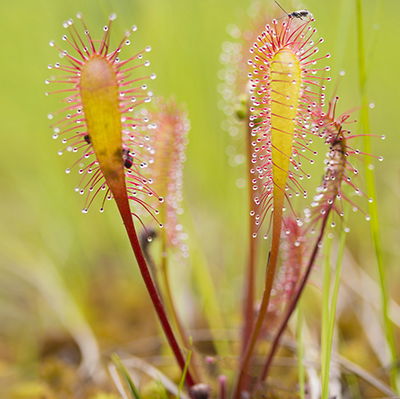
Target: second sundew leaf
[(284, 88), (286, 80)]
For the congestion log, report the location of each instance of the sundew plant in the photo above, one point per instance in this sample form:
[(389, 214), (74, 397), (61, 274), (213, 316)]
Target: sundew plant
[(307, 167)]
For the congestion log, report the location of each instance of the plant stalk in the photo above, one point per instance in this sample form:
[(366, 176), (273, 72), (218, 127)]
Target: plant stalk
[(300, 352), (269, 280), (325, 315), (373, 209), (125, 212), (295, 299), (331, 316), (222, 387)]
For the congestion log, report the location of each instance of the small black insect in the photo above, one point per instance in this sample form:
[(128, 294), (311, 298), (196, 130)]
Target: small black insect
[(127, 158), (87, 139), (296, 14)]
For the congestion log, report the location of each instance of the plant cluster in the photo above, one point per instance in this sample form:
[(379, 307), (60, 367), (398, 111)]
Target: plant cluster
[(133, 152)]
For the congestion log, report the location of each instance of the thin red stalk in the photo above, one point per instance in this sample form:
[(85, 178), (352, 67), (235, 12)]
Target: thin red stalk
[(222, 387), (125, 212), (269, 280), (295, 299)]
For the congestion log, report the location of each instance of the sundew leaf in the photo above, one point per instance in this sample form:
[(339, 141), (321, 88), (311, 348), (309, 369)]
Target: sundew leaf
[(103, 90)]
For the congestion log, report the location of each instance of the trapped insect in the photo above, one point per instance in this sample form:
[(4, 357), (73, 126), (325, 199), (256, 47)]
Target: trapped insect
[(127, 158), (296, 14)]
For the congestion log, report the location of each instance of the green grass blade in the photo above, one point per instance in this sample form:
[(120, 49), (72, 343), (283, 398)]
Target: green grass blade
[(300, 351), (184, 372), (206, 288), (326, 284), (332, 313), (124, 373), (162, 390), (371, 191)]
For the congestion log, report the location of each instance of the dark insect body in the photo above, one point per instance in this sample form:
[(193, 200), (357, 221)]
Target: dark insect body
[(296, 14), (127, 158)]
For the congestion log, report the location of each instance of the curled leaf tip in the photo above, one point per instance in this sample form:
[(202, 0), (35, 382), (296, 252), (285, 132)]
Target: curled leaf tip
[(340, 170)]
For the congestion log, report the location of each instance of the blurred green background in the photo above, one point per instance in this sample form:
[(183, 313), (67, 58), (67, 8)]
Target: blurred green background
[(42, 227)]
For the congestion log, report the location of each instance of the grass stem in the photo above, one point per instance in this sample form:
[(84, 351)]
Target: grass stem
[(371, 191), (326, 285), (300, 352), (329, 310)]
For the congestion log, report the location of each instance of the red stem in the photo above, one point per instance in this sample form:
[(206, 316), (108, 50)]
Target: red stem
[(125, 212), (295, 299), (222, 387), (269, 280)]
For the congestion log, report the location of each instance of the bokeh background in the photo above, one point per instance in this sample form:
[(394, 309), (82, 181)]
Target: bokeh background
[(61, 271)]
